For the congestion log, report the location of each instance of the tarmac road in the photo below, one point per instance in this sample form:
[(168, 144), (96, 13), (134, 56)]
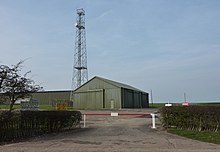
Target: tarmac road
[(105, 133)]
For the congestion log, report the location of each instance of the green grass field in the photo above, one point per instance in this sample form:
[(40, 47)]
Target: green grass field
[(208, 104), (154, 105), (158, 105), (212, 137), (7, 106), (43, 107)]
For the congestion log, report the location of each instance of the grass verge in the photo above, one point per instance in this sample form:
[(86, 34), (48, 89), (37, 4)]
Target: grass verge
[(159, 105), (6, 106), (208, 104), (43, 107), (212, 137)]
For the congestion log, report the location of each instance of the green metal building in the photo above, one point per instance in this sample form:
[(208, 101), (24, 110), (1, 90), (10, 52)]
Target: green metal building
[(51, 97), (100, 93)]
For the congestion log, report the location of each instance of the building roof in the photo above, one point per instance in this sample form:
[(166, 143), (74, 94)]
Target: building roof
[(117, 84), (53, 91)]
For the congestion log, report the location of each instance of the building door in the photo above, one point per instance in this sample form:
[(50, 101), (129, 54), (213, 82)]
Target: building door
[(92, 99)]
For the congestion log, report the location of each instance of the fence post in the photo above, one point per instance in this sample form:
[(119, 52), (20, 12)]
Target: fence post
[(153, 121), (84, 120)]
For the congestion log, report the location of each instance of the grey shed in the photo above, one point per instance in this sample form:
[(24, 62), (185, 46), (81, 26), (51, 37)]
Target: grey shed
[(100, 93)]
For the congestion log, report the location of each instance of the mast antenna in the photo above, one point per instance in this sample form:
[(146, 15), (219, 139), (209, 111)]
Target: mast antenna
[(80, 71)]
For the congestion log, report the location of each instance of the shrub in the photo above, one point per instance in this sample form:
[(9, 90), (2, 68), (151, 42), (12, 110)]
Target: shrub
[(16, 125), (192, 118)]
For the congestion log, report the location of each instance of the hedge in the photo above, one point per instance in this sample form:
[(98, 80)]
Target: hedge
[(199, 118), (22, 124)]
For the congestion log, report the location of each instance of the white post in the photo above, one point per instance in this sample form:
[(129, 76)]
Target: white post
[(84, 120), (153, 121)]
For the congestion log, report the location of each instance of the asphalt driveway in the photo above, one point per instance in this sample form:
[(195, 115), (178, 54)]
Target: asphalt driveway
[(106, 133)]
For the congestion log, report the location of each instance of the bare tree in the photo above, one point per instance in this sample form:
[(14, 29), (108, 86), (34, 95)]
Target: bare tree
[(13, 85)]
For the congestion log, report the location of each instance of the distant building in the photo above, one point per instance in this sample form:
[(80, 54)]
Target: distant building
[(51, 97), (99, 93)]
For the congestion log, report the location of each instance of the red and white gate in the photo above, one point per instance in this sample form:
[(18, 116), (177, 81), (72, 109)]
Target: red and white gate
[(115, 114)]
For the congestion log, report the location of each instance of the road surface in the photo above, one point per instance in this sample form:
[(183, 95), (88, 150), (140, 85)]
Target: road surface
[(113, 134)]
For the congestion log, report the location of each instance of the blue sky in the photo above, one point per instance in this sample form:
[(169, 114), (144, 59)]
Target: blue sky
[(168, 46)]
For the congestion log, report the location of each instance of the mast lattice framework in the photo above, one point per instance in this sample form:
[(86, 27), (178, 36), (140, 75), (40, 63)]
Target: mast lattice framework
[(80, 72)]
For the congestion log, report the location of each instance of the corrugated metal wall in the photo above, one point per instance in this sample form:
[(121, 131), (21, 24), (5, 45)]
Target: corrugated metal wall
[(98, 94), (145, 100), (137, 99), (89, 96), (92, 99), (134, 99), (48, 97), (127, 98), (95, 84), (113, 98)]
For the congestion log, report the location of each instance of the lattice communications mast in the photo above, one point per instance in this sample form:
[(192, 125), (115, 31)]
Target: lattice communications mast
[(80, 72)]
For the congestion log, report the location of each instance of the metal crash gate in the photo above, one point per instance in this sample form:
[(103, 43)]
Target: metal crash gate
[(114, 114)]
